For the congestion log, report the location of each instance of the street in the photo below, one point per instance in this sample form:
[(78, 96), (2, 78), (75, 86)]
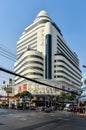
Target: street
[(32, 120)]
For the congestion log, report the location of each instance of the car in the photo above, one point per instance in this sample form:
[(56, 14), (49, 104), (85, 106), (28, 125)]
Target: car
[(70, 109), (65, 108)]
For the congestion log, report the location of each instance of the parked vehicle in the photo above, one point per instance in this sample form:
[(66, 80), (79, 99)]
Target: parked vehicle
[(67, 106), (70, 109)]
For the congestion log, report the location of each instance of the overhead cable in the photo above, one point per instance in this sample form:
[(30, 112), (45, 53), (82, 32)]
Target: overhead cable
[(35, 81)]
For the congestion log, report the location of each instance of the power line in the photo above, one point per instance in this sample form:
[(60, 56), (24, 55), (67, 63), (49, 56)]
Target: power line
[(9, 51), (11, 72), (11, 56), (7, 54), (4, 77)]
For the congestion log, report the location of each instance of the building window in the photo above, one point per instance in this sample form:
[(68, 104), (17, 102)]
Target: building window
[(48, 64), (54, 66)]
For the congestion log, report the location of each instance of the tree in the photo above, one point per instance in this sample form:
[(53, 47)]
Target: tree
[(73, 96), (23, 94), (17, 95), (67, 96), (62, 96)]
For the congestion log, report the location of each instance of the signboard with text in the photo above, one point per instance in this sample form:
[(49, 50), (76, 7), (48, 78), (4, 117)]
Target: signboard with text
[(22, 88)]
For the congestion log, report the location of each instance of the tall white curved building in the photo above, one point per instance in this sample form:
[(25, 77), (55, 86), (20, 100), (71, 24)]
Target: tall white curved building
[(42, 53)]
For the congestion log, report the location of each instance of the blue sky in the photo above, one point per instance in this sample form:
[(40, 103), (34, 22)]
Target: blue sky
[(16, 15)]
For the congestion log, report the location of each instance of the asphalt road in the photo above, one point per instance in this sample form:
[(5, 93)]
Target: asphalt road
[(32, 120)]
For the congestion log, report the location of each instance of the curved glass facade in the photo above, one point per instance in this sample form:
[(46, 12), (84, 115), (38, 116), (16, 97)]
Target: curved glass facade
[(48, 63)]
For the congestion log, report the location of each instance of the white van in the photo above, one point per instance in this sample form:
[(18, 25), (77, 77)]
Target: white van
[(67, 106)]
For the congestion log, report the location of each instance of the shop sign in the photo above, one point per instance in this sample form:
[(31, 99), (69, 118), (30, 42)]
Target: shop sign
[(22, 88)]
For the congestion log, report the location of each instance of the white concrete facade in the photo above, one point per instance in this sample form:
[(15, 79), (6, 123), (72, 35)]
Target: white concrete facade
[(42, 53)]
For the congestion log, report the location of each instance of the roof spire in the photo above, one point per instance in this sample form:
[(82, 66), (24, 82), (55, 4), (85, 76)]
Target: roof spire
[(42, 13)]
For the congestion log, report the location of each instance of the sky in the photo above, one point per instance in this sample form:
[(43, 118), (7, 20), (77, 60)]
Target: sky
[(16, 15)]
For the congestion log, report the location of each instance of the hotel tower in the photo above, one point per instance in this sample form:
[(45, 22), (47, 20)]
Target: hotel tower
[(43, 54)]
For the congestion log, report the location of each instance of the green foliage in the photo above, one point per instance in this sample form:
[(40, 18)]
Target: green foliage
[(62, 95), (23, 94), (75, 93), (18, 94), (68, 96), (73, 96)]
